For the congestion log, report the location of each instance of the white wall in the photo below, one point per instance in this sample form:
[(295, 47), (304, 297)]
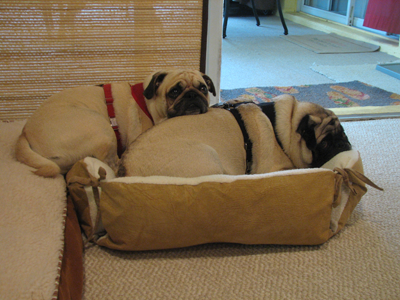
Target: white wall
[(214, 44)]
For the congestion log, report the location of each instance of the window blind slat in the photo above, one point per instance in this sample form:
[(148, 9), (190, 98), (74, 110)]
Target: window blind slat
[(47, 46)]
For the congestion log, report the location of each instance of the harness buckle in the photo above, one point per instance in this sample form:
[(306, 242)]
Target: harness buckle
[(113, 122)]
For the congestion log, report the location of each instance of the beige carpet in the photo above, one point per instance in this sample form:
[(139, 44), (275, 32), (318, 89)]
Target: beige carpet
[(32, 215), (257, 56), (362, 262)]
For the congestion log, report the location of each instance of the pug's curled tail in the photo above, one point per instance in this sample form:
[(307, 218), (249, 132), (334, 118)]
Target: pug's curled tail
[(26, 155)]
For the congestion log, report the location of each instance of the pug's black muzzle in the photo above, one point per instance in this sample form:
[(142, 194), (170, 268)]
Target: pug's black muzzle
[(191, 103), (329, 147)]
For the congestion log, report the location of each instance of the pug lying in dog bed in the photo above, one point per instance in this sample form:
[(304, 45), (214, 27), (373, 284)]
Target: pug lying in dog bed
[(244, 138), (75, 123), (212, 200)]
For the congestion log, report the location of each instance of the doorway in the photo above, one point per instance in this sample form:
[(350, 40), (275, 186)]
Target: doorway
[(348, 12)]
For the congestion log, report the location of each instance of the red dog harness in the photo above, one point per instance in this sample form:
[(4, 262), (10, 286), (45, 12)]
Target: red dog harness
[(137, 94)]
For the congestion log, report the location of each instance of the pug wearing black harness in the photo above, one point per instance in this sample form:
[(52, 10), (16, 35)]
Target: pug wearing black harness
[(243, 138)]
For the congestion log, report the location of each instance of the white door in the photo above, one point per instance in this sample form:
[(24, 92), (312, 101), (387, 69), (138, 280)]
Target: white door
[(349, 12)]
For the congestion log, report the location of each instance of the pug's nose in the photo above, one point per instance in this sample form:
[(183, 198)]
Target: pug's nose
[(191, 95)]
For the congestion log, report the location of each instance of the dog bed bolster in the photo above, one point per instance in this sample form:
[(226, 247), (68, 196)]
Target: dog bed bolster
[(295, 207)]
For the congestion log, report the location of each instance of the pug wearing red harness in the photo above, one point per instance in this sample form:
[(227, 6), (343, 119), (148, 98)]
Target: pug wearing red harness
[(97, 120)]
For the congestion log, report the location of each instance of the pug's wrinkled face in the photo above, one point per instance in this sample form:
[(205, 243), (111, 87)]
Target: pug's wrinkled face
[(179, 92), (324, 137)]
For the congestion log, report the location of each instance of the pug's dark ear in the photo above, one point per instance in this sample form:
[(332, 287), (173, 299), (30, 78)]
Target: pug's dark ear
[(154, 84), (210, 84), (306, 130)]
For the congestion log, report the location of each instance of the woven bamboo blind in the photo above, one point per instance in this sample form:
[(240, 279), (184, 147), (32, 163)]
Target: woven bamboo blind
[(47, 46)]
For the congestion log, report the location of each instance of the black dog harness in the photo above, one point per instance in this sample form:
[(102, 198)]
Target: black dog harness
[(248, 144), (268, 108)]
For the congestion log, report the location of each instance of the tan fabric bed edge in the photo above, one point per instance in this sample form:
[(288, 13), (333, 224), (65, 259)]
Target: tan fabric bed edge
[(283, 208)]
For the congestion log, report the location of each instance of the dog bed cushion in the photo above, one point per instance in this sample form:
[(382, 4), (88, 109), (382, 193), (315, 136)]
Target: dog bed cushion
[(296, 207)]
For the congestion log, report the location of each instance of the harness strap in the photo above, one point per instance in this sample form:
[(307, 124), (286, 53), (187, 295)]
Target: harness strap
[(137, 93), (111, 115), (248, 144), (268, 108)]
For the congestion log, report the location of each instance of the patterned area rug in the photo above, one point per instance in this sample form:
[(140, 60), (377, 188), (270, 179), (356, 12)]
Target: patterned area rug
[(337, 95)]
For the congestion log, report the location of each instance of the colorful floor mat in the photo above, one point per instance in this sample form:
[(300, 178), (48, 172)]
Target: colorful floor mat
[(337, 95)]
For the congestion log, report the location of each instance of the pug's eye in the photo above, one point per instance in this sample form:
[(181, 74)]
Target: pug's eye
[(204, 89), (324, 144), (175, 92)]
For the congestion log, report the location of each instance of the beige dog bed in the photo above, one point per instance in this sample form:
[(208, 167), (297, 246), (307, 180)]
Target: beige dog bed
[(296, 207)]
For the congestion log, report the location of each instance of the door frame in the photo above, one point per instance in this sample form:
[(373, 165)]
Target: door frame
[(213, 40), (348, 19)]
